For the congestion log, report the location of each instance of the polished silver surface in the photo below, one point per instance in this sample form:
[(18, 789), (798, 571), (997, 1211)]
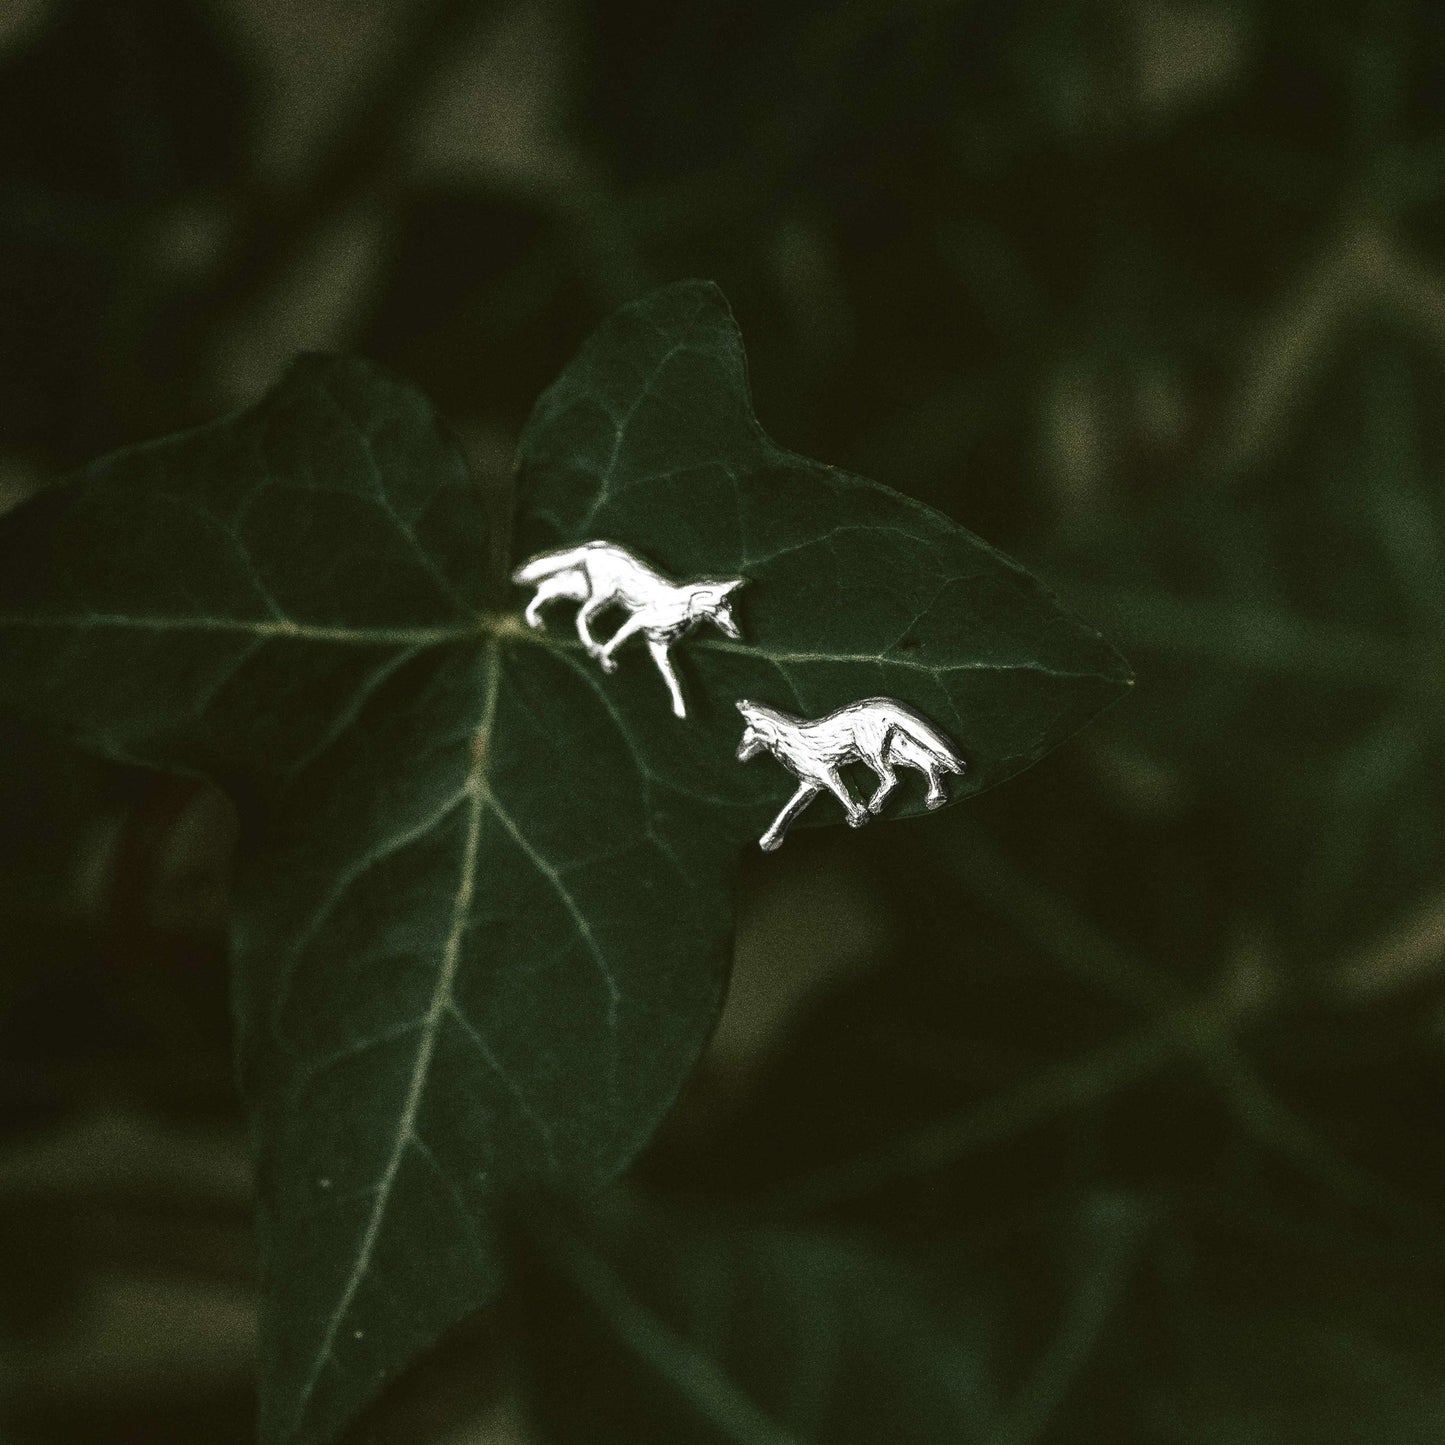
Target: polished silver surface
[(602, 574), (879, 731)]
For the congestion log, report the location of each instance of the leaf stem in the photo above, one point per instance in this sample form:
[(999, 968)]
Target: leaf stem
[(1177, 1025), (720, 1402), (1048, 1094), (1053, 924), (1085, 1318)]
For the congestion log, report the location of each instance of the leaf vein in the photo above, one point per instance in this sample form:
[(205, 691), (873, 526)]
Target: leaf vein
[(347, 879), (256, 627), (348, 716), (441, 1001), (479, 1041), (402, 527), (353, 1049), (579, 918), (621, 424), (934, 670)]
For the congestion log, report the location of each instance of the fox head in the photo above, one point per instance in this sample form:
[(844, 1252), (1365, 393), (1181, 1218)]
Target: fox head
[(709, 603), (761, 731)]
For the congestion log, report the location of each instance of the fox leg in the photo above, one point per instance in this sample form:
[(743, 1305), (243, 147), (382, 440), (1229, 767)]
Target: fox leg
[(549, 589), (937, 794), (604, 653), (907, 753), (857, 813), (588, 610), (664, 666), (887, 781), (773, 838), (882, 764)]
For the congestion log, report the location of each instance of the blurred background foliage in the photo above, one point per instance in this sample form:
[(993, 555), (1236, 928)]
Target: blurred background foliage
[(1106, 1108)]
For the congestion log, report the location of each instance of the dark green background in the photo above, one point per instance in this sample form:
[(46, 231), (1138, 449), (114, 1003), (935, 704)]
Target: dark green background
[(1106, 1107)]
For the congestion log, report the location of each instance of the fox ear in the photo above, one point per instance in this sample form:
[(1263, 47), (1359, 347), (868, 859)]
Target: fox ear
[(744, 706)]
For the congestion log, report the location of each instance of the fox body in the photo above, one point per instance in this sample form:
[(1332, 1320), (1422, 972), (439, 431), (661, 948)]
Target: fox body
[(878, 731), (602, 574)]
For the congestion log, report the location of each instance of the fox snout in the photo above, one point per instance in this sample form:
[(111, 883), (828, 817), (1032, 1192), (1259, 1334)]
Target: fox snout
[(711, 601)]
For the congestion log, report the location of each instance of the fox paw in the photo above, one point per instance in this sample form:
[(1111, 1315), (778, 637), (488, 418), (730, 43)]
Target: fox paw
[(606, 663), (858, 817)]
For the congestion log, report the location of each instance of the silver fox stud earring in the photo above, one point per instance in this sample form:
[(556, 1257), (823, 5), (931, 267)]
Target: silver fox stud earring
[(878, 731), (599, 574)]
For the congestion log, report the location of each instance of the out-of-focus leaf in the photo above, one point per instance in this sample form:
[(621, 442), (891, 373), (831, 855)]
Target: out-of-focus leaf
[(1291, 630), (476, 311), (1268, 1342), (642, 1327), (110, 119), (482, 929)]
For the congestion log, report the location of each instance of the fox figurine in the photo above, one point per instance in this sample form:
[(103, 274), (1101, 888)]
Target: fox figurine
[(602, 574), (878, 731)]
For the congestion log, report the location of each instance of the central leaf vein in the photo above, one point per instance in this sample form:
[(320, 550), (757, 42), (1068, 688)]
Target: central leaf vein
[(441, 1003)]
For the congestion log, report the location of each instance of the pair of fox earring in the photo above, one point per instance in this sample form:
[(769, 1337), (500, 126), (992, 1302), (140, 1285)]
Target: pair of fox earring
[(879, 731)]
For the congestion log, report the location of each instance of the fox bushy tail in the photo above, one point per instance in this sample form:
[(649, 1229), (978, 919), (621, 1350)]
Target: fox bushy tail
[(547, 565)]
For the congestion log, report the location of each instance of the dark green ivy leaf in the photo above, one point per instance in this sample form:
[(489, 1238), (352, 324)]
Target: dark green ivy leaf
[(483, 922)]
